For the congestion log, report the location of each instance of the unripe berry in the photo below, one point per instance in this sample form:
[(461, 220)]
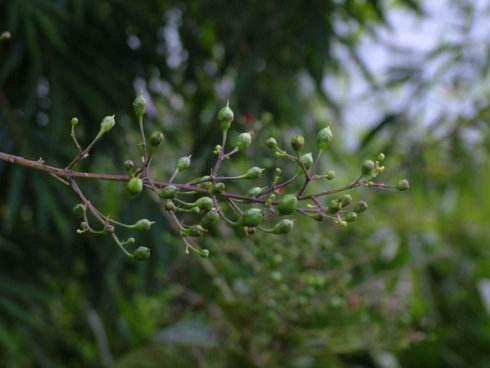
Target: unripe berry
[(298, 143), (170, 205), (367, 167), (195, 231), (204, 203), (168, 192), (271, 143), (351, 217), (346, 200), (107, 124), (324, 137), (255, 191), (74, 122), (79, 209), (143, 225), (283, 227), (135, 185), (287, 204), (204, 253), (252, 217), (244, 140), (156, 138), (307, 160), (210, 219), (381, 157), (218, 188), (139, 106), (253, 173), (403, 185), (330, 175), (225, 117), (184, 163), (141, 253), (361, 207)]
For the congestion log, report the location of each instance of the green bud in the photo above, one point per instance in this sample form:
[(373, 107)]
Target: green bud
[(74, 122), (184, 163), (244, 140), (330, 175), (381, 157), (271, 143), (143, 225), (345, 200), (283, 227), (334, 206), (79, 209), (210, 219), (297, 143), (139, 106), (287, 204), (107, 124), (194, 231), (351, 217), (324, 137), (367, 167), (225, 117), (253, 173), (168, 192), (135, 185), (403, 185), (204, 253), (170, 205), (361, 207), (307, 160), (129, 165), (204, 203), (218, 188), (255, 191), (252, 217), (142, 253), (156, 138)]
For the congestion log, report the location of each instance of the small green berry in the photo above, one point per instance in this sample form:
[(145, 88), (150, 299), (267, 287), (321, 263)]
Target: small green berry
[(107, 124), (367, 167), (74, 122), (204, 203), (139, 106), (255, 191), (351, 217), (218, 188), (184, 163), (287, 204), (252, 217), (156, 138), (330, 175), (210, 219), (298, 143), (253, 173), (170, 205), (194, 231), (79, 209), (361, 207), (283, 227), (244, 140), (381, 157), (225, 117), (307, 160), (204, 253), (135, 185), (403, 185), (143, 225), (271, 143), (345, 200), (324, 137), (168, 192), (142, 253)]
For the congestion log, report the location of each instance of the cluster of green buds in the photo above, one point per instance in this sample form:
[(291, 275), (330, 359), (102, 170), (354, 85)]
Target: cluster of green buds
[(198, 206)]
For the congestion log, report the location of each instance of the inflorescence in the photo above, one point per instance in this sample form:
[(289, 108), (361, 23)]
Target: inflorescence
[(252, 212)]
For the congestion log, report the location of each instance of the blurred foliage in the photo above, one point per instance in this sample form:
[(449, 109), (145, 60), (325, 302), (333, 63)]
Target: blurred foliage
[(403, 287)]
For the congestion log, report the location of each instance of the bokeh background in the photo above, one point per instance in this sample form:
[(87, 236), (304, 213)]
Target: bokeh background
[(407, 286)]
